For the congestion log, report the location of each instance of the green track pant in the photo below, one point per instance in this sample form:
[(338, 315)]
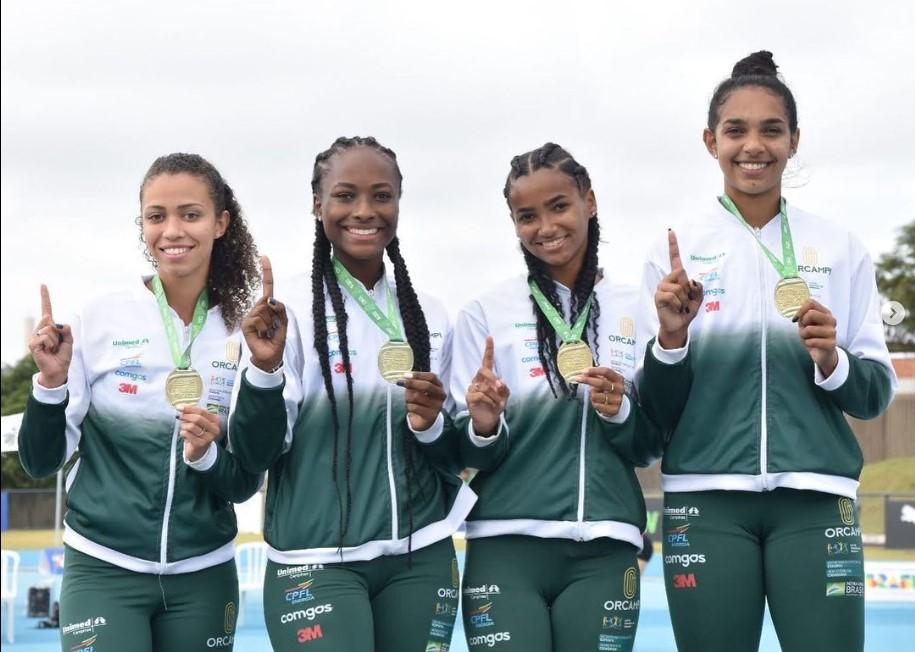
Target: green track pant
[(398, 603), (728, 552), (105, 608), (542, 595)]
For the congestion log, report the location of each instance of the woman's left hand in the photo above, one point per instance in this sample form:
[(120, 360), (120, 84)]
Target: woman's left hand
[(817, 328), (264, 327), (199, 428), (607, 389), (424, 396)]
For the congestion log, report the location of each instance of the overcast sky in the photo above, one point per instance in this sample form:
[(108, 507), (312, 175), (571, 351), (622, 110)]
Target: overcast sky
[(93, 91)]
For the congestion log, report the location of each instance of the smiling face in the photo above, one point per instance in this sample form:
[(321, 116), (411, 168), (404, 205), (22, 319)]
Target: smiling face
[(752, 142), (180, 225), (358, 204), (551, 218)]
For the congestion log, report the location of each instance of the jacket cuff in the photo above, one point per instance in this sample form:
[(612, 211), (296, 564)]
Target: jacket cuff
[(838, 376), (431, 433), (207, 461), (263, 379), (622, 415), (48, 395), (669, 356), (482, 442)]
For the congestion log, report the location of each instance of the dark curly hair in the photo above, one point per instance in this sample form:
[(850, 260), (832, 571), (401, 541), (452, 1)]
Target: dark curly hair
[(411, 313), (555, 157), (234, 273), (757, 69)]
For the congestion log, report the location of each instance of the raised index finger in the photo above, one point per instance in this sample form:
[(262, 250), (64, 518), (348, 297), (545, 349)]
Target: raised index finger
[(45, 302), (674, 251), (267, 269), (488, 354)]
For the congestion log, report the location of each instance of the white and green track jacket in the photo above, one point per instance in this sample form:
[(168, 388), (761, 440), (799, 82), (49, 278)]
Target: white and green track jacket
[(303, 518), (743, 403), (555, 469), (132, 499)]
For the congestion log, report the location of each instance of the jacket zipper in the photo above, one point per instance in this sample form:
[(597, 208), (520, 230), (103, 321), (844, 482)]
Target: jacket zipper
[(764, 433), (581, 459), (170, 492), (394, 516), (169, 496)]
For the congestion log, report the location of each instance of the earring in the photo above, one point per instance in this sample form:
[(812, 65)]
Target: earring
[(714, 155)]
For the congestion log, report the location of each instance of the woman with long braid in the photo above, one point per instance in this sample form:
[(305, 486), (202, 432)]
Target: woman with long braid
[(361, 505), (551, 422)]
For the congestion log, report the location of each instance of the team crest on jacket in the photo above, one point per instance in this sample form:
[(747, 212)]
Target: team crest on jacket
[(233, 351), (847, 511)]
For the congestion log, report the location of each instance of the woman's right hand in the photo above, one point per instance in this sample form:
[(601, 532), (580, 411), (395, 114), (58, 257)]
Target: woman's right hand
[(264, 327), (677, 300), (487, 395), (51, 346)]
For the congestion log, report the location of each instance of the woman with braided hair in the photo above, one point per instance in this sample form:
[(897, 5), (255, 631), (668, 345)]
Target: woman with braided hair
[(362, 500), (140, 384), (758, 361), (542, 377)]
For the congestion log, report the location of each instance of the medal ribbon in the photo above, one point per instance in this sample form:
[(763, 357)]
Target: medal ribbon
[(389, 323), (786, 269), (182, 360), (568, 334)]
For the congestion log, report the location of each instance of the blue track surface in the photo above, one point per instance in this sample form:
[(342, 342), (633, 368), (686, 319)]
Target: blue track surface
[(890, 627)]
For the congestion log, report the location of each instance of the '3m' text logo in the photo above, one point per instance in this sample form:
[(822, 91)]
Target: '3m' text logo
[(307, 634), (685, 581)]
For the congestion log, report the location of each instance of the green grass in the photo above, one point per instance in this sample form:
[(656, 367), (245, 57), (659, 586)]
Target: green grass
[(29, 539), (896, 474), (893, 475)]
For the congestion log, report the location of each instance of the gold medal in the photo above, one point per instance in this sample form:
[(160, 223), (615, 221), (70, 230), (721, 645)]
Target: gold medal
[(183, 387), (395, 360), (572, 359), (790, 293)]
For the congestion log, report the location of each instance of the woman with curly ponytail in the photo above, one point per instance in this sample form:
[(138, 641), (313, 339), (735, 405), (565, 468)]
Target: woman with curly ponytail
[(140, 383)]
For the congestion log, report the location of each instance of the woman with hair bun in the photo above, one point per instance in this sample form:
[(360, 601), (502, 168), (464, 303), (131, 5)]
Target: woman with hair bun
[(141, 384), (755, 364)]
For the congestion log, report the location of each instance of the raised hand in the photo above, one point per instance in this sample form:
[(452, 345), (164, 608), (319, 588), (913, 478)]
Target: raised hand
[(425, 396), (199, 428), (817, 328), (487, 395), (51, 346), (607, 389), (264, 327), (677, 300)]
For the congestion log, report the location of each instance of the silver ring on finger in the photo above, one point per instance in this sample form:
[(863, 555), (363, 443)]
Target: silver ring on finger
[(611, 387), (606, 398)]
